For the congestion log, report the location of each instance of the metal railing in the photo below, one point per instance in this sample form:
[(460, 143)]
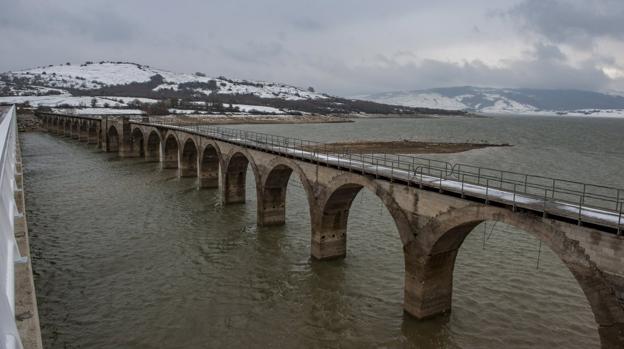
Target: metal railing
[(9, 252), (588, 203)]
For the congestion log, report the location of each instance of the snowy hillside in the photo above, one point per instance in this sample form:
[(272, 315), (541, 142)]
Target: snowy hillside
[(508, 101), (156, 91), (90, 76)]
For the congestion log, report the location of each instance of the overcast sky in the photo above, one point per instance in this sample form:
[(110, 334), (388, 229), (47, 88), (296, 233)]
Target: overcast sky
[(343, 47)]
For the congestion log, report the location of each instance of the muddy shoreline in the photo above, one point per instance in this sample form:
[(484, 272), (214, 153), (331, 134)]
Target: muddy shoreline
[(400, 147)]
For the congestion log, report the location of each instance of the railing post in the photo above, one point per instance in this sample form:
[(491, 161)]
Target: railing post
[(544, 208), (440, 188), (487, 189), (619, 228), (621, 203), (581, 203), (362, 160), (462, 185), (514, 199)]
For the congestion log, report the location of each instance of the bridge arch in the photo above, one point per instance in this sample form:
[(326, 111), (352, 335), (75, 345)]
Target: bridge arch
[(138, 142), (170, 152), (153, 146), (431, 261), (272, 201), (235, 176), (188, 159), (209, 166), (113, 139), (329, 225)]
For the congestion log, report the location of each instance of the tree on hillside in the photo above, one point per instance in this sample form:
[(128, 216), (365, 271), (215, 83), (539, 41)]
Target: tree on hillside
[(93, 102)]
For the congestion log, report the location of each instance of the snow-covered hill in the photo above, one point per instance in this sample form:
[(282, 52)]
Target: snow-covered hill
[(92, 76), (136, 86), (508, 101)]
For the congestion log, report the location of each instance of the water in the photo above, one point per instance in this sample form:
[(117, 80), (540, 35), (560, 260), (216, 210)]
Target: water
[(127, 255)]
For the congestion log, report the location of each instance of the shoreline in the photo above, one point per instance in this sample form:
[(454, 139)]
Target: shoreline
[(402, 147), (238, 120)]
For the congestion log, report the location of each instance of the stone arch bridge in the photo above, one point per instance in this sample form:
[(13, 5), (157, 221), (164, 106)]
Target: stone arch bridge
[(434, 205)]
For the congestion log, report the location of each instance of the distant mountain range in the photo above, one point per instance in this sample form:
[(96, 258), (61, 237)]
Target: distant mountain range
[(507, 100), (128, 85)]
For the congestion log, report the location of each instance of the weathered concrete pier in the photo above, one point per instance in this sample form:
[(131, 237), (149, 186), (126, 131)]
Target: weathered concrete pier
[(435, 205)]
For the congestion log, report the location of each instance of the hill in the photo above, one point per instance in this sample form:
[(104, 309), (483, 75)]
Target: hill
[(125, 84), (508, 100)]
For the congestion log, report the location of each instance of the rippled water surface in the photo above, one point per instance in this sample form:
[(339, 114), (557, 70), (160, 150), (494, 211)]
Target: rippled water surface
[(127, 255)]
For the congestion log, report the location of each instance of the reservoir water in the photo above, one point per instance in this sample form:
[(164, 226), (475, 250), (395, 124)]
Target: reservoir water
[(127, 255)]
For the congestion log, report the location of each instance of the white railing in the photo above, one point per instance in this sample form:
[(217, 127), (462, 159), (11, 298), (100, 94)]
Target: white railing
[(9, 252)]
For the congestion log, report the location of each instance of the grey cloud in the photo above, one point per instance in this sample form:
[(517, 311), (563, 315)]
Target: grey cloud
[(344, 47), (99, 24), (307, 24), (576, 22), (543, 70)]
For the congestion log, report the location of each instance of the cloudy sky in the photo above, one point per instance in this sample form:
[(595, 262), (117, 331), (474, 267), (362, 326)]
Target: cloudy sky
[(344, 47)]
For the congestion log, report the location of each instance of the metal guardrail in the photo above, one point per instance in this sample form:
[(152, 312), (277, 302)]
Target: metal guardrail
[(589, 203), (9, 251)]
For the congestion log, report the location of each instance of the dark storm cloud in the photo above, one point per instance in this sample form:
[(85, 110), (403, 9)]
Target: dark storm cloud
[(577, 22), (343, 47)]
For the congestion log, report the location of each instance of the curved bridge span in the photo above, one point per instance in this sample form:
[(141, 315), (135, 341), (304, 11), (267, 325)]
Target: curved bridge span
[(434, 204)]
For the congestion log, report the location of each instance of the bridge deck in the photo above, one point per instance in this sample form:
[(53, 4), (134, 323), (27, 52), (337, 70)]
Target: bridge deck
[(588, 204)]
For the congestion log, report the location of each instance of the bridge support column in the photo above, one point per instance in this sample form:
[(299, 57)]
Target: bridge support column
[(233, 192), (208, 180), (328, 243), (234, 180), (329, 247), (208, 168), (168, 160), (125, 139), (83, 136), (92, 138), (187, 170), (428, 283), (272, 202), (152, 155)]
